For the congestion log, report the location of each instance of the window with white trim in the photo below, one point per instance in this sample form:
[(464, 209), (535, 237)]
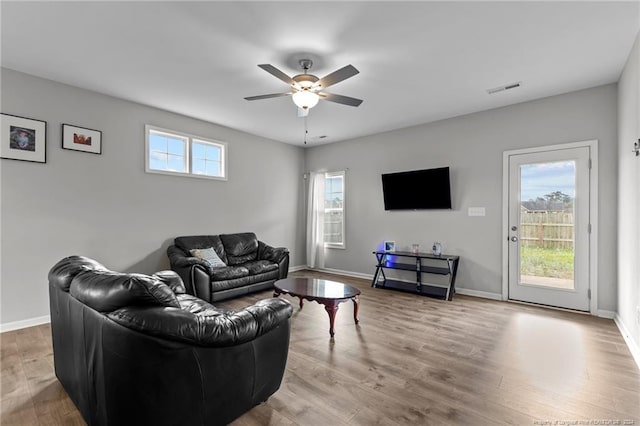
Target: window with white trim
[(334, 210), (176, 153)]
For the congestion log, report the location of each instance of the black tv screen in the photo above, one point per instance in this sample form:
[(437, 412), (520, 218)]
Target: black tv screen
[(417, 189)]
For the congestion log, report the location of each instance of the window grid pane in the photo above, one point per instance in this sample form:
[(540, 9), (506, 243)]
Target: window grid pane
[(213, 168), (176, 146), (207, 156), (167, 152), (333, 227), (199, 166), (334, 213), (198, 150)]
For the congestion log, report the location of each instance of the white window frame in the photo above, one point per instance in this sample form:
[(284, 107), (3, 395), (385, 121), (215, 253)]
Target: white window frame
[(189, 166), (344, 203)]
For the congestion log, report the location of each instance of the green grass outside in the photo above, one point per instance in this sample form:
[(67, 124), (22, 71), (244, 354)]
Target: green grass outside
[(546, 262)]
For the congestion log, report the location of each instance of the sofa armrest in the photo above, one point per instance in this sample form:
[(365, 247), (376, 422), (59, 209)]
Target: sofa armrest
[(276, 255), (213, 329), (178, 259), (269, 313), (200, 279), (172, 279), (195, 273), (279, 255)]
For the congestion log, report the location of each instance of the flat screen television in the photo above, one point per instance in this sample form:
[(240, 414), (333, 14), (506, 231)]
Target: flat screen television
[(417, 189)]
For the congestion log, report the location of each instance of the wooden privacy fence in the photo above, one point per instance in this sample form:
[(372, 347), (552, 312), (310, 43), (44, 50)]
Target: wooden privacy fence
[(546, 229)]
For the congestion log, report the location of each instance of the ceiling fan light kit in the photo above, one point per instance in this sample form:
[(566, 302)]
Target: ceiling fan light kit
[(305, 88), (305, 99)]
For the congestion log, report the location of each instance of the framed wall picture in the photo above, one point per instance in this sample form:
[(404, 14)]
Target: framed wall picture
[(81, 139), (23, 139), (389, 246)]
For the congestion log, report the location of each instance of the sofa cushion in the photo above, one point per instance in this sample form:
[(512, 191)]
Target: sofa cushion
[(189, 243), (230, 284), (228, 273), (106, 291), (240, 248), (210, 256), (260, 266), (264, 277)]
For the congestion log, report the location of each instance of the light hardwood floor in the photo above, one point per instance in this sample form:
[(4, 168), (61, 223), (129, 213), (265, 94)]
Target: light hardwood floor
[(411, 360)]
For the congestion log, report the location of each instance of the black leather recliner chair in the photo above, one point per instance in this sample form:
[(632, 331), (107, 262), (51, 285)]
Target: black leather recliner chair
[(249, 265), (133, 349)]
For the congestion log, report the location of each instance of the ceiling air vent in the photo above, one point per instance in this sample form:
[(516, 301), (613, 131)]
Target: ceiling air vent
[(503, 88)]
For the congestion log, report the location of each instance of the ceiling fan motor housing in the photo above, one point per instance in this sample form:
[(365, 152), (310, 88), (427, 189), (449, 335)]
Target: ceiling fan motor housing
[(305, 80)]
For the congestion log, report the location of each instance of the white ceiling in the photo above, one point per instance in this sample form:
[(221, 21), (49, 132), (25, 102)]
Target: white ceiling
[(418, 61)]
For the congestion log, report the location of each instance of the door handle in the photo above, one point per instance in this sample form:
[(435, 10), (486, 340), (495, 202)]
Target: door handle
[(514, 239)]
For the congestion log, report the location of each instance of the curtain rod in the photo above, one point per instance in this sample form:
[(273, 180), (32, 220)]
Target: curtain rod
[(306, 174)]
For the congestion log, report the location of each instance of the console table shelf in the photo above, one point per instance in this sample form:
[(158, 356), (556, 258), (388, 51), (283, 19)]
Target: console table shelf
[(449, 267)]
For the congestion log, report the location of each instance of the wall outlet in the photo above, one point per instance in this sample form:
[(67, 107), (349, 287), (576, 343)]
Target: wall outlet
[(476, 211)]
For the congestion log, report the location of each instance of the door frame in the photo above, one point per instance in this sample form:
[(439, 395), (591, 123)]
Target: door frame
[(593, 214)]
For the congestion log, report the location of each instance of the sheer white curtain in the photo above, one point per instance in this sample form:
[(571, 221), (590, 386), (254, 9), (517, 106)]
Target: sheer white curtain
[(315, 221)]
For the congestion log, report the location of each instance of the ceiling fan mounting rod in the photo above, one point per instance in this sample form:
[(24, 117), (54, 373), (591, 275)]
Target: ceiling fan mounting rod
[(305, 64)]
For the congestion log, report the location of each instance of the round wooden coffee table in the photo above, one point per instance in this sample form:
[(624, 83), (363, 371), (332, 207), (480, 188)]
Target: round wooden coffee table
[(325, 292)]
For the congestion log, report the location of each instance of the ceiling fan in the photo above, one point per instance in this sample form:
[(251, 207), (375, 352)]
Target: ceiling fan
[(307, 89)]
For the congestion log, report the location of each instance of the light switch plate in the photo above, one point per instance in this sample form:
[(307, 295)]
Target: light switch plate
[(476, 211)]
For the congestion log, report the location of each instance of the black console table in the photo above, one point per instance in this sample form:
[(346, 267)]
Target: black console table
[(401, 260)]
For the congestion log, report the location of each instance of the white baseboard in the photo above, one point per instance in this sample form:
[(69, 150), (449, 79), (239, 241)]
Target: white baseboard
[(628, 338), (297, 268), (346, 273), (478, 293), (17, 325), (337, 272), (465, 291)]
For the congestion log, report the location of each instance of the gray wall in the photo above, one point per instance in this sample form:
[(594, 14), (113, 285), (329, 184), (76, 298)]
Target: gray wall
[(629, 199), (106, 206), (472, 146)]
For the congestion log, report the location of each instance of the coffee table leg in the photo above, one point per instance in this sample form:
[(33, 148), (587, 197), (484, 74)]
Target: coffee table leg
[(301, 299), (356, 305), (331, 309)]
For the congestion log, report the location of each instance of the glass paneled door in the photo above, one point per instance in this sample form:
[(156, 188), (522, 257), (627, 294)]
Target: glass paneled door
[(549, 227)]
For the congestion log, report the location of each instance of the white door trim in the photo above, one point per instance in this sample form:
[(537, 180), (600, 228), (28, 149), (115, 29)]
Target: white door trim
[(593, 215)]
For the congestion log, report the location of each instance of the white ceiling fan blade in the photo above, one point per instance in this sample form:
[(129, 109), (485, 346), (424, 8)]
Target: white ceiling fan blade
[(340, 99), (277, 73), (272, 95), (337, 76)]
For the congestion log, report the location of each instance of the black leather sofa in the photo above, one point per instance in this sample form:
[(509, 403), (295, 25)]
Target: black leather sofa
[(251, 265), (133, 349)]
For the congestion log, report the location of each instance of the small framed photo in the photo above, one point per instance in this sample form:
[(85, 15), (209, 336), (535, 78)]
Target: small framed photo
[(23, 139), (389, 246), (81, 139)]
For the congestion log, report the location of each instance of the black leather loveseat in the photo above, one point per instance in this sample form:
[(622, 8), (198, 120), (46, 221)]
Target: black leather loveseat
[(133, 349), (247, 265)]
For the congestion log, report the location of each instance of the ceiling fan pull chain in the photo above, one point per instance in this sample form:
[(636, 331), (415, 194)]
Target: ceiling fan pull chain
[(305, 130)]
